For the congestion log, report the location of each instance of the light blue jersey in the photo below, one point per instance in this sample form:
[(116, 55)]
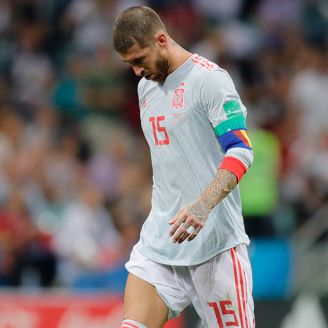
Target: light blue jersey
[(179, 120)]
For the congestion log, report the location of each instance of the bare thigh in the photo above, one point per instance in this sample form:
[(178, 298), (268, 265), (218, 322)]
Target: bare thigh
[(143, 304)]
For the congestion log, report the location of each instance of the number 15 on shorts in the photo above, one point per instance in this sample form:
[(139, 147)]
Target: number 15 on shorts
[(227, 316)]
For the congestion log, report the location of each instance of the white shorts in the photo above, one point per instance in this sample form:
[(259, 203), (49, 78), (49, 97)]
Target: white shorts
[(219, 289)]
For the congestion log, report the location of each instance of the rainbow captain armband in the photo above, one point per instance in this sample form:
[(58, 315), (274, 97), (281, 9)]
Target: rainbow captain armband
[(237, 146), (233, 138), (232, 132)]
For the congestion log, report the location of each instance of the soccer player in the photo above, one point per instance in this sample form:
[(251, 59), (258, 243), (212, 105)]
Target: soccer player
[(193, 245)]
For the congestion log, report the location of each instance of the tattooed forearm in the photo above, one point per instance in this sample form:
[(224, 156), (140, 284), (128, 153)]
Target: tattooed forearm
[(223, 183), (195, 214)]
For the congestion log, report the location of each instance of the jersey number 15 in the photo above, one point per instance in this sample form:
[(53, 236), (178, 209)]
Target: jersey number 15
[(160, 133)]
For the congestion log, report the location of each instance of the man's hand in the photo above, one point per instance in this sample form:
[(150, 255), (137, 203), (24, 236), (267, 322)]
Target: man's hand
[(189, 221)]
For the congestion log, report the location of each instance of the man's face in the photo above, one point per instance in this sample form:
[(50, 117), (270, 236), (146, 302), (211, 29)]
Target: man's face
[(147, 62)]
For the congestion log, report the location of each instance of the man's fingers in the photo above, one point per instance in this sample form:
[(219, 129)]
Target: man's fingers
[(177, 222), (177, 231), (184, 226), (184, 233), (188, 231), (195, 232), (175, 227)]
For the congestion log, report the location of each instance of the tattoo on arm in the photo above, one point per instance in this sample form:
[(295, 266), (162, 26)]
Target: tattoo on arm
[(223, 183)]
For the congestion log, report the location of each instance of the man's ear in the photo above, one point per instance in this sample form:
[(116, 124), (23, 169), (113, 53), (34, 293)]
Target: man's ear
[(162, 39)]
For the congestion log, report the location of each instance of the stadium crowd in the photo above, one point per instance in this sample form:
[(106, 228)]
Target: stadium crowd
[(75, 176)]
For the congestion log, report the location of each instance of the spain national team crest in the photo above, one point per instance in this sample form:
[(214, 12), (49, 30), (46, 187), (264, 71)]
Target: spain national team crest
[(178, 98)]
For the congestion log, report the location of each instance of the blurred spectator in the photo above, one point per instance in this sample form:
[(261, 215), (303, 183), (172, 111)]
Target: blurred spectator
[(61, 169), (280, 13), (32, 70), (308, 92), (315, 20), (26, 256), (68, 92), (103, 85), (87, 240), (93, 20), (115, 150), (5, 15), (219, 10), (211, 45), (306, 184), (181, 18)]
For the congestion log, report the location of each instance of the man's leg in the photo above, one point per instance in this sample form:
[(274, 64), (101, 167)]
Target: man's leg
[(224, 287), (143, 305)]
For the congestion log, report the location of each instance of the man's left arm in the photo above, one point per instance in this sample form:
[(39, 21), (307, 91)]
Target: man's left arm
[(221, 103), (238, 158)]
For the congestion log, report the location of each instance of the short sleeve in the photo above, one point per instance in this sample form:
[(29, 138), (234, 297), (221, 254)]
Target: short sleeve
[(222, 103)]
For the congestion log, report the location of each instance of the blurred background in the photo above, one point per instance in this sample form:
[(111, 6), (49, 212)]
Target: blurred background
[(75, 175)]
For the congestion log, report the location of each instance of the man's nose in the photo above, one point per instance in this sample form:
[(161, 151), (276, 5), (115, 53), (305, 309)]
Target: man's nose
[(139, 71)]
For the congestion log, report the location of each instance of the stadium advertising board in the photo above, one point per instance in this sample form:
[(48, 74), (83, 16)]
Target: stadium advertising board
[(63, 311)]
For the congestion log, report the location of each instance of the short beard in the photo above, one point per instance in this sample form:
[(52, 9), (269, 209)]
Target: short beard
[(162, 67)]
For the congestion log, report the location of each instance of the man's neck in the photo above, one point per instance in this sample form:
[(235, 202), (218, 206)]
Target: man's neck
[(177, 56)]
